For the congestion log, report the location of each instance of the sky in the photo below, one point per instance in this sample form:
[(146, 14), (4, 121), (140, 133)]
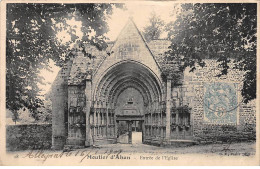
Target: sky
[(139, 11)]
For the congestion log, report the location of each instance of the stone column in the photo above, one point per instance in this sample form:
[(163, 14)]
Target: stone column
[(168, 109), (98, 118), (143, 131), (95, 121), (116, 130), (130, 132), (107, 122), (89, 140), (177, 123)]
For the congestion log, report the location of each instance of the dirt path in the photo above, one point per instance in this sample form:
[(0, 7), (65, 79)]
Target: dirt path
[(246, 148)]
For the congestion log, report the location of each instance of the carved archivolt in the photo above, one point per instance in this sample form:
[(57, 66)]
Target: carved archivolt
[(125, 75)]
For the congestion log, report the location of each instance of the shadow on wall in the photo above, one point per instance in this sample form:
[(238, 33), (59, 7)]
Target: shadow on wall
[(122, 128)]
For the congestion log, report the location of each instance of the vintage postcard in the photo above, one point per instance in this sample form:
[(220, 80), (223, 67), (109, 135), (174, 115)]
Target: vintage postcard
[(129, 83)]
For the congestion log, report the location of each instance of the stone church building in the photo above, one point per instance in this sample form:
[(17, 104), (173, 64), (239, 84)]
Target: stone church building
[(123, 83)]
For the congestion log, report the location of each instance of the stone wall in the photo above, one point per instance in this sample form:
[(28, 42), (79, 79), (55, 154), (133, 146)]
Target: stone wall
[(77, 115), (129, 46), (124, 97), (59, 98), (209, 123), (28, 136), (190, 110)]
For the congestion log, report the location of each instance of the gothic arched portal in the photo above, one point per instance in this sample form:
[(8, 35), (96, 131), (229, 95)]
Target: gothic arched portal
[(107, 110)]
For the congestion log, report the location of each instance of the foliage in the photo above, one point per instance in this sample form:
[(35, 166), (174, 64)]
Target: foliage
[(226, 32), (44, 114), (154, 29), (32, 41)]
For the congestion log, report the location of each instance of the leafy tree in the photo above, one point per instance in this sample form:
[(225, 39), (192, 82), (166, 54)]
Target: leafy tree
[(154, 29), (45, 113), (31, 42), (225, 32)]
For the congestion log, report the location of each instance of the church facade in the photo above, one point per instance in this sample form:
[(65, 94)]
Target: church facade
[(123, 83)]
